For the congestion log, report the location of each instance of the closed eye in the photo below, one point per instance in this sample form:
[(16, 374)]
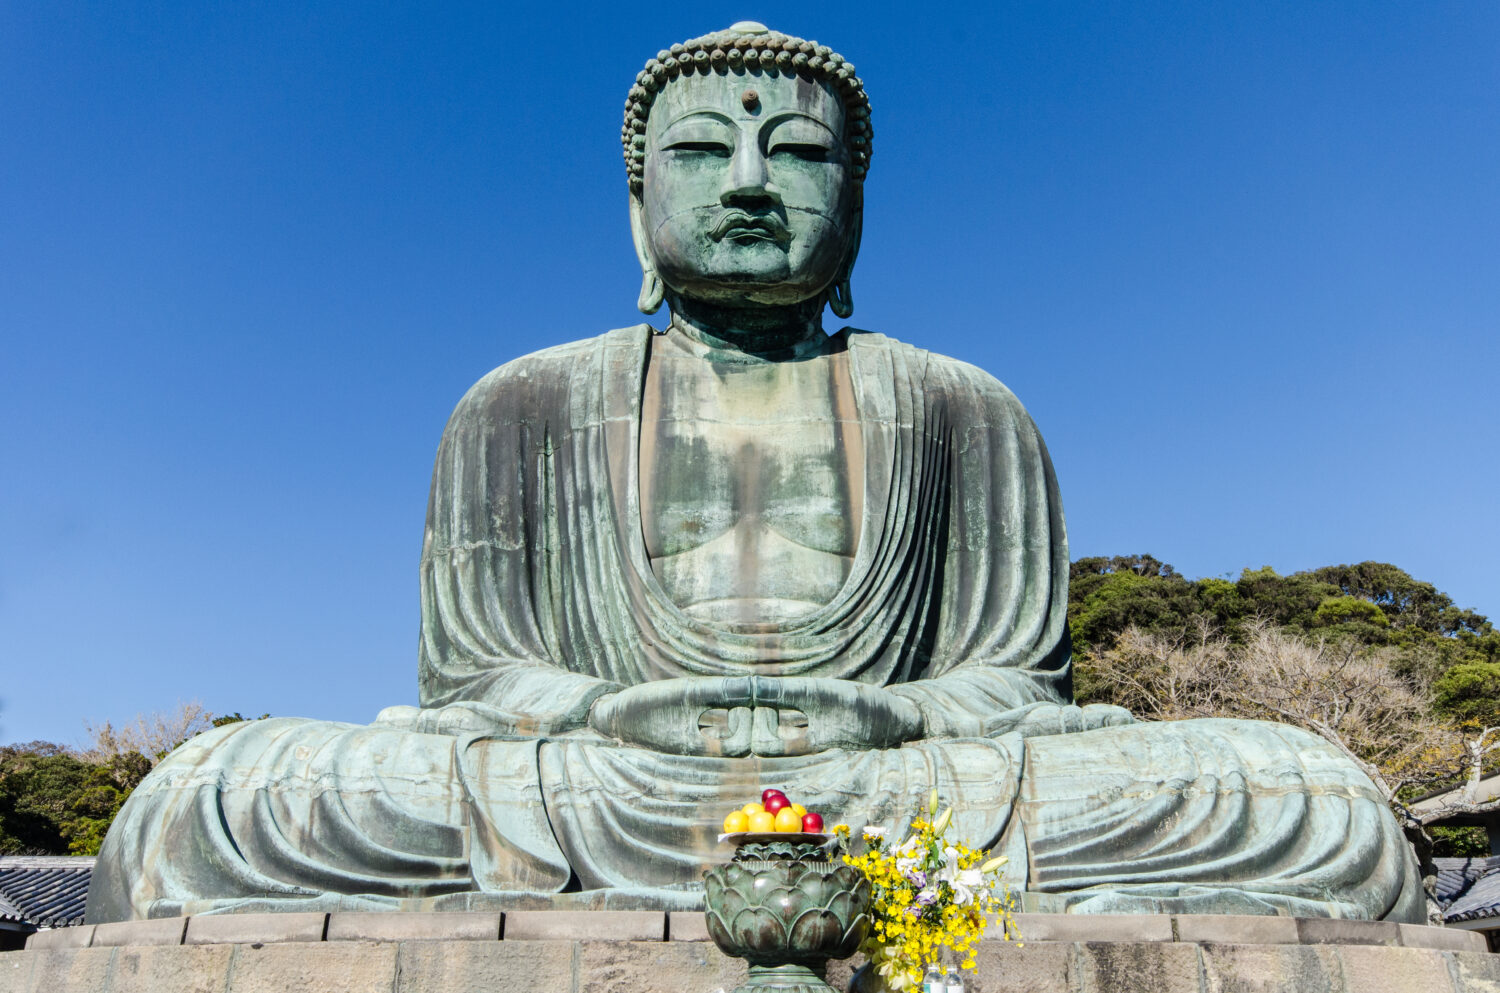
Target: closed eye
[(807, 152), (708, 147)]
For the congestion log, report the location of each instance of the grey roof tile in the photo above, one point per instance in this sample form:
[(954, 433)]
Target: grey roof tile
[(1480, 902), (1468, 889), (1455, 876), (47, 891)]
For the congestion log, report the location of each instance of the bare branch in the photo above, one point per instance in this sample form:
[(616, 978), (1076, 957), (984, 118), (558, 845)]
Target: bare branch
[(152, 735)]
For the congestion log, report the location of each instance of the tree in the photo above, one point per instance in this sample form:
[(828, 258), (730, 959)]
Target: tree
[(38, 784), (1408, 601), (1141, 565), (1351, 695), (1470, 691), (1104, 601), (104, 793), (56, 800), (153, 735)]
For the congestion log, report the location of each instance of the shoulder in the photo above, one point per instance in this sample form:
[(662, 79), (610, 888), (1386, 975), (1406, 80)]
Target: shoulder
[(953, 382), (538, 382)]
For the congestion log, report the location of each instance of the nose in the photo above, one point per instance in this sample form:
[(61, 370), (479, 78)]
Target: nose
[(749, 183)]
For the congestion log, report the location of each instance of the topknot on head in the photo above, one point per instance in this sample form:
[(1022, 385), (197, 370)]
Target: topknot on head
[(747, 46)]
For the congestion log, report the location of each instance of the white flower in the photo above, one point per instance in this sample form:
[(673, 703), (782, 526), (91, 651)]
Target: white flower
[(874, 832), (965, 882), (890, 970)]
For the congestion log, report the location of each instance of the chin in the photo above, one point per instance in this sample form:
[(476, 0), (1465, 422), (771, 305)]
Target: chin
[(752, 289)]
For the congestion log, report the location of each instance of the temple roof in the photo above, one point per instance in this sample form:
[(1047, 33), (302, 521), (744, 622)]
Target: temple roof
[(1469, 889), (44, 890), (1431, 807)]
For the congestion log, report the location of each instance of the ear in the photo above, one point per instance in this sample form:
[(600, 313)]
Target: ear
[(638, 235), (839, 293), (652, 289), (856, 231)]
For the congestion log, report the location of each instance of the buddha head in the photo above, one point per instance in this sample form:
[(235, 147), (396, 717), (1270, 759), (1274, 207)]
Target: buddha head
[(746, 152)]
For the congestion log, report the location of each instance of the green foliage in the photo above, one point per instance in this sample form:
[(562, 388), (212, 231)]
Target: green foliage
[(1350, 610), (1410, 602), (1460, 842), (1448, 657), (1470, 691), (104, 793), (1372, 603), (55, 801), (38, 783), (1286, 601), (1141, 565), (1106, 596)]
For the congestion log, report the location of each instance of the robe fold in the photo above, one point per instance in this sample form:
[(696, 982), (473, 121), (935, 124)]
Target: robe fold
[(538, 597)]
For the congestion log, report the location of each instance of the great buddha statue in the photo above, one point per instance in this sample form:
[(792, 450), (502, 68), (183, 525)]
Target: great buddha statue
[(665, 568)]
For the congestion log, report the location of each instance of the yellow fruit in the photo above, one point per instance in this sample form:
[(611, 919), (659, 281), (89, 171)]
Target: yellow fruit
[(799, 809), (737, 822), (788, 820), (762, 822), (751, 809)]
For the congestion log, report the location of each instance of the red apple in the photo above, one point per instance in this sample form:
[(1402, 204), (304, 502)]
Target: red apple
[(766, 794), (775, 803), (812, 823)]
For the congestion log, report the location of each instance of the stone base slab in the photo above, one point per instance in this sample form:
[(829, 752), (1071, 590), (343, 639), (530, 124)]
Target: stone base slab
[(472, 953)]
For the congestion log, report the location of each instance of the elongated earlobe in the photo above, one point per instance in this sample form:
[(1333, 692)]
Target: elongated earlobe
[(652, 292), (840, 295), (841, 298)]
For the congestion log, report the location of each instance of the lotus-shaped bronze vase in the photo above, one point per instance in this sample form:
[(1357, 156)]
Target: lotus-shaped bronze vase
[(786, 907)]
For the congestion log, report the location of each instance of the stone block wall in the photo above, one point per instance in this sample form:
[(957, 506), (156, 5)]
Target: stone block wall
[(629, 952)]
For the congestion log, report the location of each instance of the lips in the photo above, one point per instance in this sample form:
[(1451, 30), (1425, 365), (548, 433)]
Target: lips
[(737, 224)]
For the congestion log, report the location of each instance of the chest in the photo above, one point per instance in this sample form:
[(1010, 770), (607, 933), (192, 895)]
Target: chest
[(772, 448)]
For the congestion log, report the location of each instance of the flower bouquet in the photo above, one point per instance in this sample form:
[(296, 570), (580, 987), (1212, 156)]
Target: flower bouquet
[(928, 894)]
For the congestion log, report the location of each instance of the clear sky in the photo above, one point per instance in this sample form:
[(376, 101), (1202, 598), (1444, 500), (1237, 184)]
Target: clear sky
[(1241, 262)]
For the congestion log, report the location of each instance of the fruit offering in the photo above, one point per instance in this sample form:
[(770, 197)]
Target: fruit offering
[(774, 812)]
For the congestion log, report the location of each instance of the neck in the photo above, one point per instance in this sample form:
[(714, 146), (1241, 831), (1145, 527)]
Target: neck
[(755, 331)]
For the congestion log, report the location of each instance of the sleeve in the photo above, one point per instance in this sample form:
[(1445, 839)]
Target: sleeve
[(489, 642), (1002, 641)]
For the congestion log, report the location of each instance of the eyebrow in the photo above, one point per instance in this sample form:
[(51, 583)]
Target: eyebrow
[(797, 115), (715, 115)]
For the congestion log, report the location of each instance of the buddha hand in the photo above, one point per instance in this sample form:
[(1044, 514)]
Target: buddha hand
[(797, 715), (761, 715), (689, 715)]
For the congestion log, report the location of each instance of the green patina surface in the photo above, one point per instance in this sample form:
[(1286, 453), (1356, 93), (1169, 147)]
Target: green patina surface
[(664, 569)]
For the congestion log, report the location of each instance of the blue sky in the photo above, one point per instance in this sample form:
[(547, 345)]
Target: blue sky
[(1241, 262)]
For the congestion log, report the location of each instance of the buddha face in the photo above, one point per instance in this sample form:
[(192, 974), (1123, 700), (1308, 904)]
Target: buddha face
[(747, 195)]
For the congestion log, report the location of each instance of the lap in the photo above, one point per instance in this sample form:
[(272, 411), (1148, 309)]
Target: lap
[(1209, 815), (1216, 816)]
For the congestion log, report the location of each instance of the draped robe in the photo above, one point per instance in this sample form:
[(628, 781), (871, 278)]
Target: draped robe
[(538, 597)]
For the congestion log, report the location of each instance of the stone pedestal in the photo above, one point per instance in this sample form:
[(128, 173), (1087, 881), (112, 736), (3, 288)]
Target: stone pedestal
[(643, 952)]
